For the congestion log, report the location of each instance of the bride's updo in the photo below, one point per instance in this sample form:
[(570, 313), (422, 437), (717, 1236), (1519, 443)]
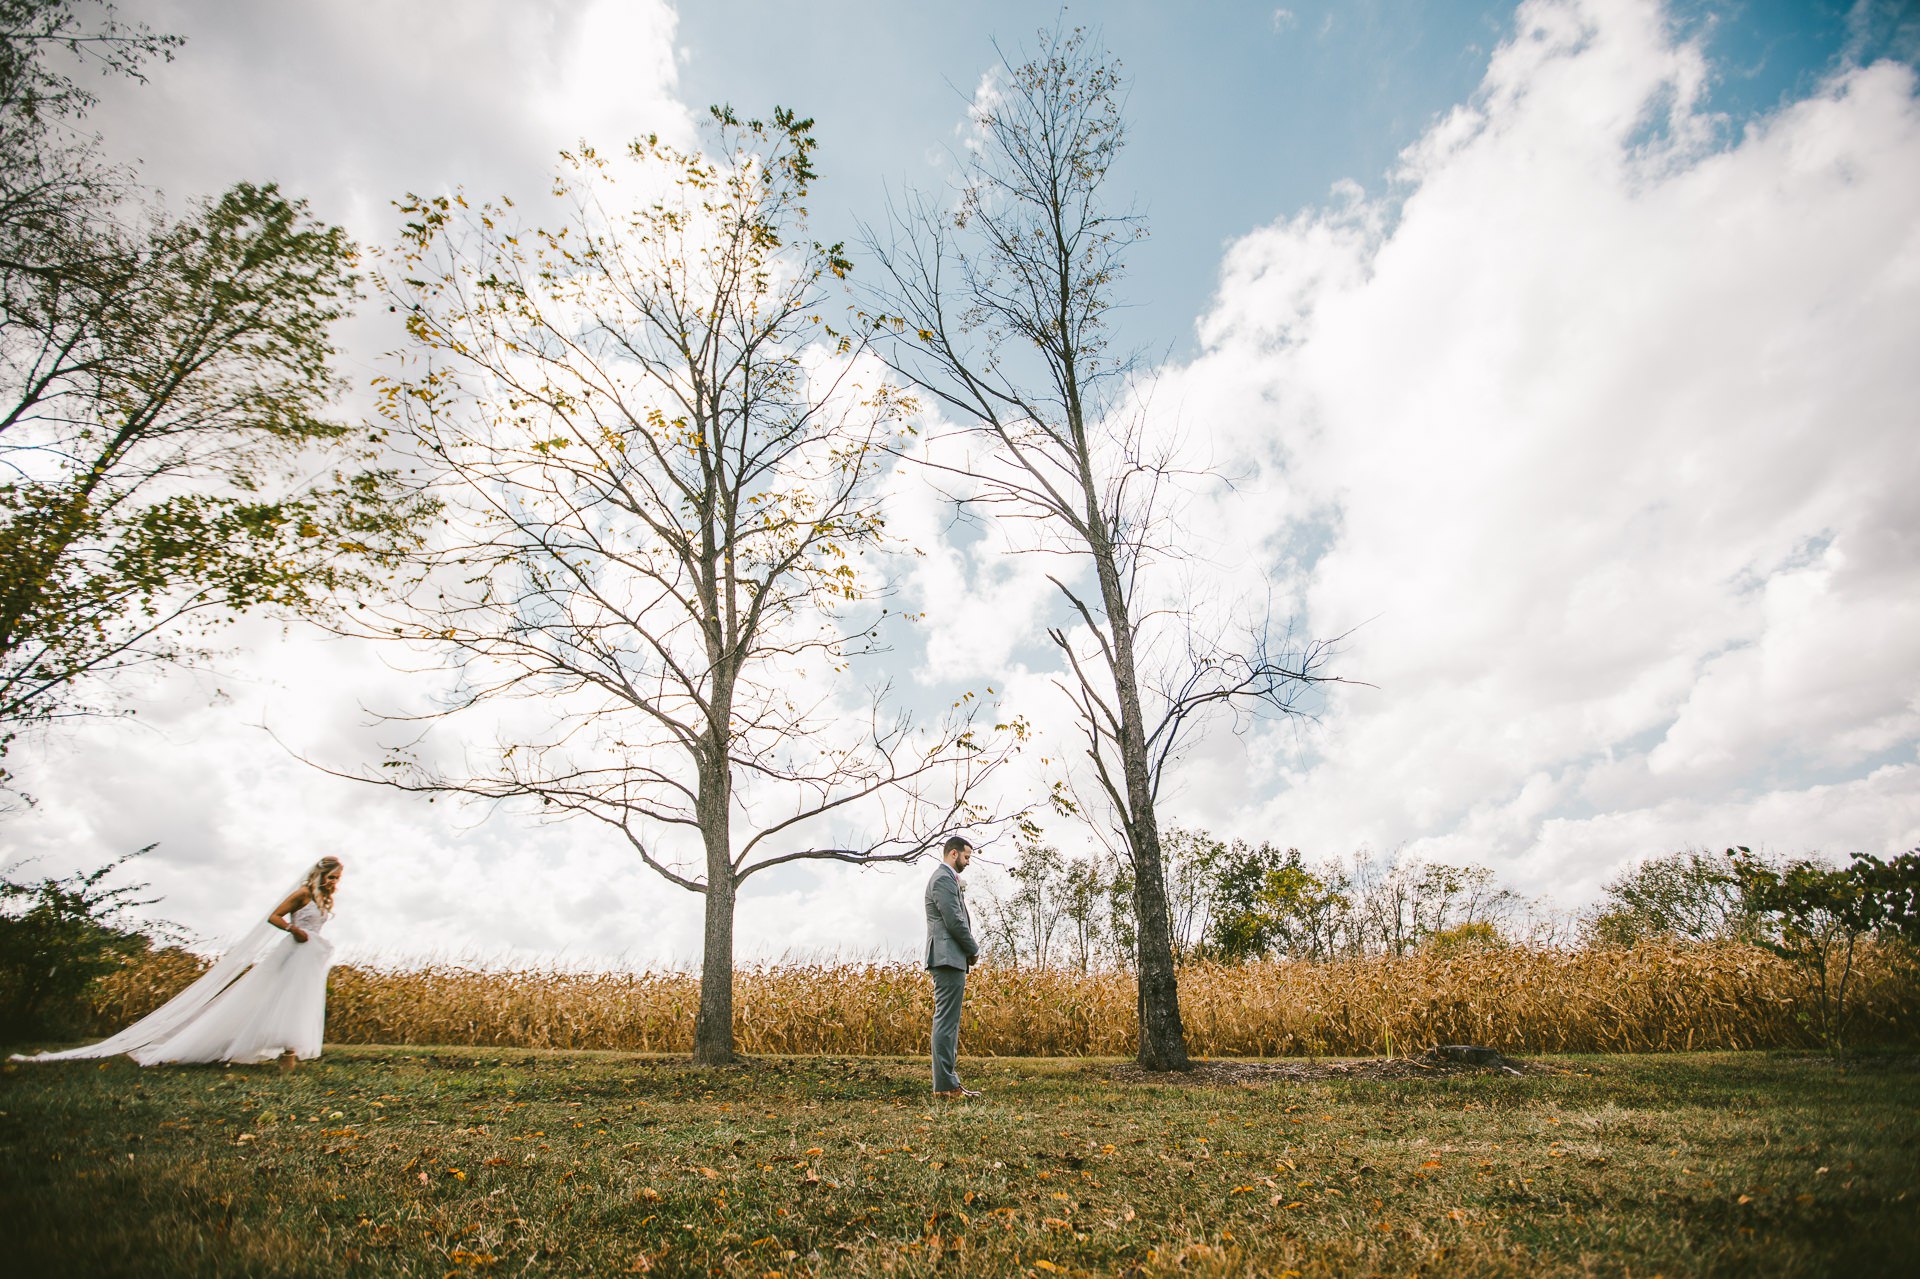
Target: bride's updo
[(318, 890)]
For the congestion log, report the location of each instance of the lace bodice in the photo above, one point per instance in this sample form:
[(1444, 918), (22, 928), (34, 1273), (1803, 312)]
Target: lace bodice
[(309, 918)]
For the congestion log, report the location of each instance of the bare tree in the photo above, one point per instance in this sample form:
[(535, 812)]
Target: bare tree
[(998, 309), (1400, 902), (660, 462)]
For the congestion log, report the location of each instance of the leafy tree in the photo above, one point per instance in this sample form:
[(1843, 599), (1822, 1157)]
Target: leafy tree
[(56, 936), (999, 305), (660, 465), (1271, 903), (34, 90), (164, 461), (1814, 914), (1692, 895), (1465, 938), (1890, 894)]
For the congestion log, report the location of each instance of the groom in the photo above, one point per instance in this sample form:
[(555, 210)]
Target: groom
[(951, 950)]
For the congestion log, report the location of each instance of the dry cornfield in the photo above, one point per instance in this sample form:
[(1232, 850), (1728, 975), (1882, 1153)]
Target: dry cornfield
[(1647, 998)]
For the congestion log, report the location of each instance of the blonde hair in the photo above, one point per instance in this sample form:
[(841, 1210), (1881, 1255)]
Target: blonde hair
[(316, 883)]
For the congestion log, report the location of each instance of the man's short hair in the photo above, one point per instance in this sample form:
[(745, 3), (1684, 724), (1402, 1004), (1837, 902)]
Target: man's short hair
[(954, 844)]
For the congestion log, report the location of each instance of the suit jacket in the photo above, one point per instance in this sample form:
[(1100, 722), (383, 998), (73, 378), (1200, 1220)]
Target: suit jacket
[(950, 942)]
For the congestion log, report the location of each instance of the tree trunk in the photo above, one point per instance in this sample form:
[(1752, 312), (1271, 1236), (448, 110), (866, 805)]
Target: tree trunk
[(713, 1027), (1163, 1037)]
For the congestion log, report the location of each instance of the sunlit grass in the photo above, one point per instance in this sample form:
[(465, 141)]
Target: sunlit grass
[(398, 1161)]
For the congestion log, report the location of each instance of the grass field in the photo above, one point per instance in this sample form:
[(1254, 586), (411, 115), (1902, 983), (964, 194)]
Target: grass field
[(380, 1161)]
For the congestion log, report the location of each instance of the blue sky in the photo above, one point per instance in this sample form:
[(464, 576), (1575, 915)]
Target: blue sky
[(1590, 401), (1238, 112)]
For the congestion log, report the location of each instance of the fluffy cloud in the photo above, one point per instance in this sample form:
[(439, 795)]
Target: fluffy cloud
[(355, 102), (1599, 429)]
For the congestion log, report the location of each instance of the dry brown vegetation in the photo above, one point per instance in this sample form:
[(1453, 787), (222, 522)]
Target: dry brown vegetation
[(1647, 998)]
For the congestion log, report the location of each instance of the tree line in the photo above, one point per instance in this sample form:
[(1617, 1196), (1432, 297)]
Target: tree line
[(1234, 901)]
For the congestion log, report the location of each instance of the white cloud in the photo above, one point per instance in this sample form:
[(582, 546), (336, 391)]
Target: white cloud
[(356, 102), (1612, 431)]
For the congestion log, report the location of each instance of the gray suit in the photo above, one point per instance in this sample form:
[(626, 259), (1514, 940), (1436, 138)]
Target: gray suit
[(951, 950)]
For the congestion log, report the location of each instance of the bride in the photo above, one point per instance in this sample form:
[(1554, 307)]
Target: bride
[(265, 998)]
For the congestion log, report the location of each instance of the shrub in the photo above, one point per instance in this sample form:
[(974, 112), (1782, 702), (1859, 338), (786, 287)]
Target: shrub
[(56, 936)]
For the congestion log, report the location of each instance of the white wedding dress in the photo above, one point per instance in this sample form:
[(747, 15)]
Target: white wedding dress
[(266, 996)]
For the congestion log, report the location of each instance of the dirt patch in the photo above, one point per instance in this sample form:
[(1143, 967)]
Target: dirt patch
[(1434, 1063)]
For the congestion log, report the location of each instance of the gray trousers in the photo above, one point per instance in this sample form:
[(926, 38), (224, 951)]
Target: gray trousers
[(949, 988)]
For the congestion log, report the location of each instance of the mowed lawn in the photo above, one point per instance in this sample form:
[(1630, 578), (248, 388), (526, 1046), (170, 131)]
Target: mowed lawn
[(483, 1162)]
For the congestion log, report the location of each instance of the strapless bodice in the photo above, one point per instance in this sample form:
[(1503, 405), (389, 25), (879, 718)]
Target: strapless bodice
[(309, 918)]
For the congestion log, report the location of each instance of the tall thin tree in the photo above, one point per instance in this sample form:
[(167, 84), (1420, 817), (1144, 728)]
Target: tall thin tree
[(998, 303)]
